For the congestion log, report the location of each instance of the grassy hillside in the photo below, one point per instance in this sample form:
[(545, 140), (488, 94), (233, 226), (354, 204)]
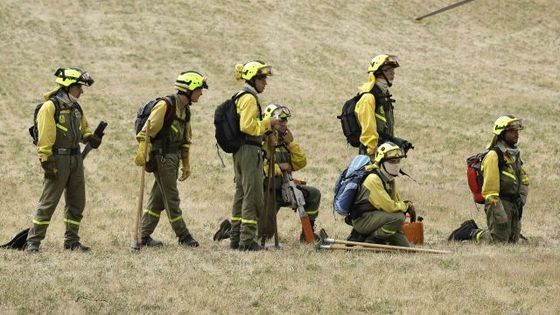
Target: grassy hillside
[(459, 71)]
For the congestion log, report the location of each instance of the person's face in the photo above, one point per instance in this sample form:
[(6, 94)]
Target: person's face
[(260, 83), (76, 90), (511, 136), (282, 126), (195, 95), (389, 73)]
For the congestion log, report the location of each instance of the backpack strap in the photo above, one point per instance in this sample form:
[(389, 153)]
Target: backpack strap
[(501, 160), (56, 103)]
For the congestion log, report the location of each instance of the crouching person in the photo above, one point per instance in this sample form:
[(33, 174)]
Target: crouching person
[(378, 212), (289, 157)]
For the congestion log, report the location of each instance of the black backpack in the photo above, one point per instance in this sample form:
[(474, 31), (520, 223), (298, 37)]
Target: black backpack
[(34, 131), (144, 111), (226, 120), (350, 125)]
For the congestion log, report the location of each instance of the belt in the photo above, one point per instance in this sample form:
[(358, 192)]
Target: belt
[(66, 151), (253, 143), (168, 150)]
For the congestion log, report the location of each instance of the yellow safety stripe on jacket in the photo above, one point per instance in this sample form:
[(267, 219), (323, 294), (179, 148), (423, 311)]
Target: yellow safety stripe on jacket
[(41, 222), (176, 219), (478, 236), (153, 214), (59, 126), (388, 231), (72, 222), (312, 212), (510, 175), (247, 221), (235, 218), (174, 128), (381, 117)]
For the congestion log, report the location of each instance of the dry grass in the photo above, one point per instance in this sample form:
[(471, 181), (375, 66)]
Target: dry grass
[(460, 70)]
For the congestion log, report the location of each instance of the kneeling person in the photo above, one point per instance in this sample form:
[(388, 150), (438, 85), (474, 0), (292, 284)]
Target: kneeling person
[(378, 212)]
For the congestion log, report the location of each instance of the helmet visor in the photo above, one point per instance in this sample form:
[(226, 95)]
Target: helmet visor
[(515, 125), (282, 112)]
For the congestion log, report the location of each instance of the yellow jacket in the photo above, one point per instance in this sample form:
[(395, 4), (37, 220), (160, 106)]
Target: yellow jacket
[(47, 128), (492, 175), (365, 113), (293, 154), (379, 197), (249, 121), (156, 118)]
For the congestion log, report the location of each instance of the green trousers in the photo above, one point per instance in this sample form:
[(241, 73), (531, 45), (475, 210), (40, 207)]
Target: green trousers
[(501, 233), (248, 200), (312, 198), (382, 227), (70, 180), (164, 196)]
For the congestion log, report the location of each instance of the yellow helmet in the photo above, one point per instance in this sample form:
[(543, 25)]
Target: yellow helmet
[(68, 76), (388, 151), (190, 81), (277, 111), (383, 60), (507, 122), (252, 69)]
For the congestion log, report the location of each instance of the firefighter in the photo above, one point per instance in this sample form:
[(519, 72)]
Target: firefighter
[(61, 126), (169, 149), (378, 212), (248, 200), (374, 109), (505, 188), (289, 157)]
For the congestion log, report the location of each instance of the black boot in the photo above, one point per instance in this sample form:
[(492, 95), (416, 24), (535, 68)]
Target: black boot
[(355, 236), (77, 247), (150, 242), (467, 231), (223, 231), (188, 241), (252, 247)]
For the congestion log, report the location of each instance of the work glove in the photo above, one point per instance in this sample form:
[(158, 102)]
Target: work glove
[(288, 137), (94, 141), (140, 159), (498, 212), (410, 210), (49, 166), (185, 170), (406, 146)]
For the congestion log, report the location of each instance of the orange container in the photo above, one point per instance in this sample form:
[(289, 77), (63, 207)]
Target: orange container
[(414, 231)]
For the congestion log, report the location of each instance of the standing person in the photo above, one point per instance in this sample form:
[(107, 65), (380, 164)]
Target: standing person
[(170, 139), (289, 157), (505, 187), (374, 109), (378, 212), (61, 126), (248, 200)]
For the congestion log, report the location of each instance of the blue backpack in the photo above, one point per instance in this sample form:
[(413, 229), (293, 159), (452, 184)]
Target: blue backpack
[(348, 184)]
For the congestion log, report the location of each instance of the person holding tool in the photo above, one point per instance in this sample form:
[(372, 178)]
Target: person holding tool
[(61, 125)]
